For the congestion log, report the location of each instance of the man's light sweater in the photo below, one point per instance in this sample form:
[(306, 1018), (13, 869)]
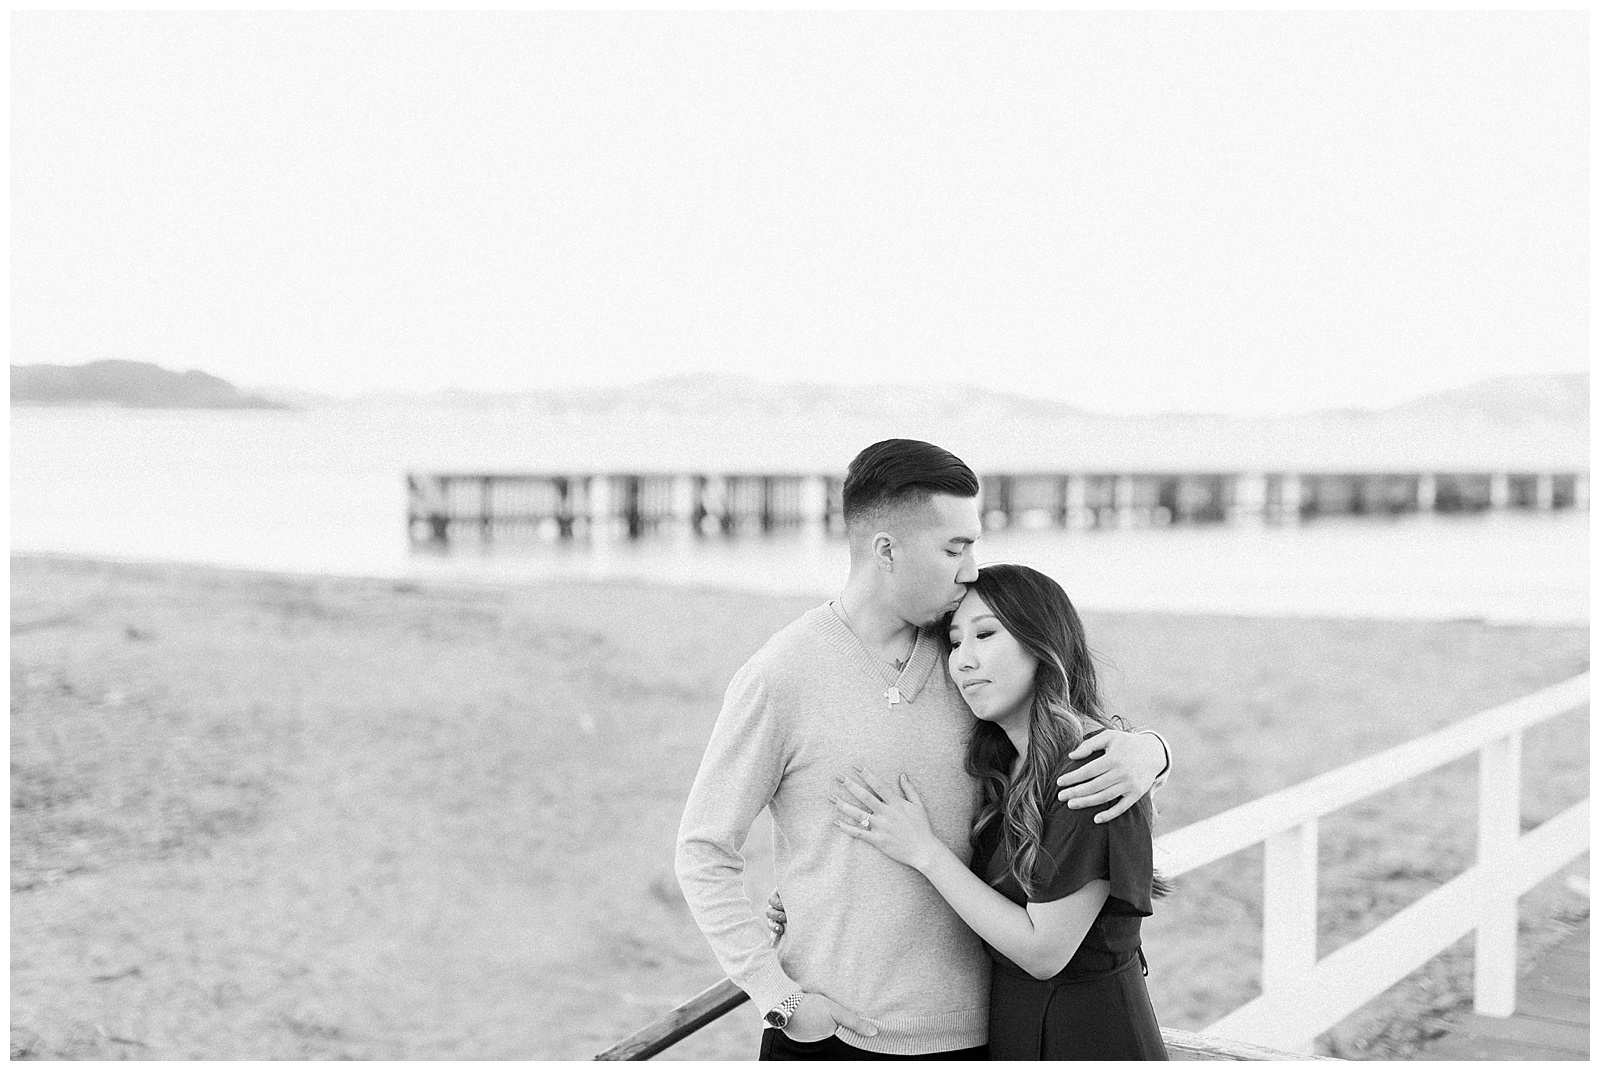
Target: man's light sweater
[(862, 929)]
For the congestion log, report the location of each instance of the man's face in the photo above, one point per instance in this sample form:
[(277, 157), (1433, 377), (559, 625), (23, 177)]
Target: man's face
[(933, 557)]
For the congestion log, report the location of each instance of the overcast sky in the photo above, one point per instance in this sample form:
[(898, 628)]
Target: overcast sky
[(1247, 212)]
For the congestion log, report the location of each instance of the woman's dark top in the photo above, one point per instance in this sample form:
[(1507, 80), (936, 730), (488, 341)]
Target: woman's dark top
[(1097, 1007)]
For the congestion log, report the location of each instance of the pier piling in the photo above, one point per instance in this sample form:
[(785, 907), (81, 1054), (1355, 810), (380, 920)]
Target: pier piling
[(1544, 493), (1249, 498), (1427, 493), (1499, 490)]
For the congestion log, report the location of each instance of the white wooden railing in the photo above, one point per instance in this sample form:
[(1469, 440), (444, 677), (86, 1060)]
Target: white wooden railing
[(1303, 996)]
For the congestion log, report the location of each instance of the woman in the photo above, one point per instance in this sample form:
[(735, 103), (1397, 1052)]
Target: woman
[(1056, 897)]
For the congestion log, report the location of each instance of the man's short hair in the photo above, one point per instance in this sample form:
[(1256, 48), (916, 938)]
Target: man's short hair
[(896, 472)]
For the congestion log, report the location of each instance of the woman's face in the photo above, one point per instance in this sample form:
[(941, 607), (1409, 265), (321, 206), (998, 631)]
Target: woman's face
[(993, 671)]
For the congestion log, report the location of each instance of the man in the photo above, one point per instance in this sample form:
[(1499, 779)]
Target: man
[(874, 964)]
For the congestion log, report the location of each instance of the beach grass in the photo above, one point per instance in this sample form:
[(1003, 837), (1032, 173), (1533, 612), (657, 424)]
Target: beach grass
[(264, 816)]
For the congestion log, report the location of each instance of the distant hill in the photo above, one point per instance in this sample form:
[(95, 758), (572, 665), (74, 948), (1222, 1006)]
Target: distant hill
[(128, 384), (707, 394), (1517, 423), (1560, 399), (1510, 399)]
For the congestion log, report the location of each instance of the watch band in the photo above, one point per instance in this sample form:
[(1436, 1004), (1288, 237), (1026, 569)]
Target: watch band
[(780, 1016)]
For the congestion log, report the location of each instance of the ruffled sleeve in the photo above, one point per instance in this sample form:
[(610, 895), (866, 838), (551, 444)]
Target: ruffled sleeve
[(1075, 851)]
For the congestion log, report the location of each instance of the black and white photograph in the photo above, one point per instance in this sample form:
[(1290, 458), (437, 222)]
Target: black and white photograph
[(746, 534)]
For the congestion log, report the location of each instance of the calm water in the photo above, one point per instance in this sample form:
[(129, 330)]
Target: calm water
[(324, 492)]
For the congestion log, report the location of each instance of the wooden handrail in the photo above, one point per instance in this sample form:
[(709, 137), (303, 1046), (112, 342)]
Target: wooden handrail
[(716, 1001), (704, 1007), (1186, 1045)]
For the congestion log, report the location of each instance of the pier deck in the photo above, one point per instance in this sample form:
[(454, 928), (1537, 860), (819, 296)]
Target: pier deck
[(1551, 1021), (444, 507)]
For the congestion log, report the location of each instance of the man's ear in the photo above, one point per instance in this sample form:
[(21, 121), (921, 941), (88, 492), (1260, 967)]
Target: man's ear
[(883, 551)]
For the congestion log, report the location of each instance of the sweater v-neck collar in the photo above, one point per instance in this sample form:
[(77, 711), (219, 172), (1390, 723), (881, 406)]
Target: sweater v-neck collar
[(910, 680)]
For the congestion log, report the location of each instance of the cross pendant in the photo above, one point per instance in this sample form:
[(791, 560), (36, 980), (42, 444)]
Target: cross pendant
[(893, 694)]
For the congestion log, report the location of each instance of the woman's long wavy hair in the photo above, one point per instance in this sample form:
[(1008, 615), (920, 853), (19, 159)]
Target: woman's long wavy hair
[(1066, 707)]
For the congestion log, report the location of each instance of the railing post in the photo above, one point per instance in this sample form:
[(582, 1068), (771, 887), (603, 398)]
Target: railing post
[(1494, 979), (1289, 914)]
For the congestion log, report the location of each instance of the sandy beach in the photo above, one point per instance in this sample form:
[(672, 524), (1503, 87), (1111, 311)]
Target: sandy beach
[(260, 816)]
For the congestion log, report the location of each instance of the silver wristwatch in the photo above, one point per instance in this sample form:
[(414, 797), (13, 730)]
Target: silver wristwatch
[(779, 1016)]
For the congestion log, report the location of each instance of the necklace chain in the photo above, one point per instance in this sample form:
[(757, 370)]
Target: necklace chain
[(899, 664)]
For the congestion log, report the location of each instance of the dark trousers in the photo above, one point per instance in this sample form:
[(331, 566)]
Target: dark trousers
[(776, 1045)]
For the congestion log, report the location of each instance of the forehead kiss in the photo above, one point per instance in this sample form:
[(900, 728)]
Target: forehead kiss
[(971, 613)]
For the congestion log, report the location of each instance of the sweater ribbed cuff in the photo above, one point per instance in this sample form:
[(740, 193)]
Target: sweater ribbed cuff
[(768, 986)]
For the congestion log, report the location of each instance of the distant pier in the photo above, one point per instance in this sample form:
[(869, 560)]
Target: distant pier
[(444, 508)]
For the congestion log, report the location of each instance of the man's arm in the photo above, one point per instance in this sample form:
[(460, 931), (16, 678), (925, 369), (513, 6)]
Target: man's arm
[(740, 771), (1130, 765)]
